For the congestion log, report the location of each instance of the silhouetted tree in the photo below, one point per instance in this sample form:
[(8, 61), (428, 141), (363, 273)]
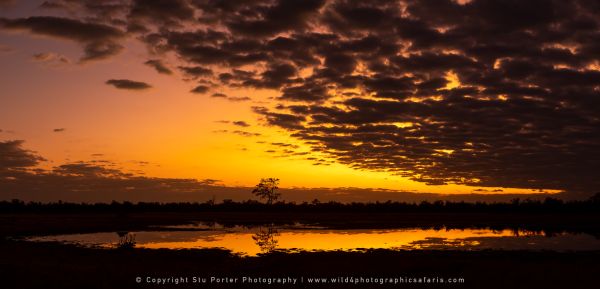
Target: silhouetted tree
[(266, 190)]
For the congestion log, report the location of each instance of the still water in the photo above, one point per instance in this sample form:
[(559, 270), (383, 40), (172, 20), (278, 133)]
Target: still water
[(251, 241)]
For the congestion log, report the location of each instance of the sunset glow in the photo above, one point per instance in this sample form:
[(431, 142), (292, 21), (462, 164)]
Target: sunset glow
[(307, 101)]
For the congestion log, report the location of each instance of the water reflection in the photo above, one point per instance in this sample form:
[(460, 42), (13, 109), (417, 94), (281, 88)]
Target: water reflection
[(126, 240), (256, 240), (265, 238)]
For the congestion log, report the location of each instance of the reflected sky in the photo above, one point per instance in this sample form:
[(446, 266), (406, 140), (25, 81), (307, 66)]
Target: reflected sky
[(255, 240)]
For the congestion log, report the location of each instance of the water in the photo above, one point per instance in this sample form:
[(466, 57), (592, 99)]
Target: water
[(254, 240)]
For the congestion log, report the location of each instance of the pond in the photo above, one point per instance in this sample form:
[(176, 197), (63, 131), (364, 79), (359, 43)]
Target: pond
[(250, 241)]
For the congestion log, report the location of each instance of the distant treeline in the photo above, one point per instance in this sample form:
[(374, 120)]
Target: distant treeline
[(549, 205)]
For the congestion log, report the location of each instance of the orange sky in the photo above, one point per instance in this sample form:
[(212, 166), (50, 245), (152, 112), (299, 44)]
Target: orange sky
[(175, 131), (63, 109)]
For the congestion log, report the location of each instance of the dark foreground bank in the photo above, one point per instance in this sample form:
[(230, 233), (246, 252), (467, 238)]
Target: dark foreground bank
[(51, 265)]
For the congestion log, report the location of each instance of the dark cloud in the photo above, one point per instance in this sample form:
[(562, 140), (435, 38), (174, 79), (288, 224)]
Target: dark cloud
[(99, 41), (238, 132), (196, 71), (200, 89), (238, 98), (276, 76), (162, 12), (58, 129), (100, 11), (349, 17), (523, 115), (219, 95), (13, 156), (128, 84), (230, 98), (285, 145), (83, 169), (50, 57), (240, 123), (100, 50), (308, 91), (288, 121), (267, 19), (245, 133), (159, 66)]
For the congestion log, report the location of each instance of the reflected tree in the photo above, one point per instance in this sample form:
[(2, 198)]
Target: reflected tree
[(265, 238), (126, 240)]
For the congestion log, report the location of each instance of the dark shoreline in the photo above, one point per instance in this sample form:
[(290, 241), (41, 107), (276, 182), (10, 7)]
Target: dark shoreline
[(53, 265), (27, 224)]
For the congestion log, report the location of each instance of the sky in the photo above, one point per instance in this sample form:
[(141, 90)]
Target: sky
[(134, 98)]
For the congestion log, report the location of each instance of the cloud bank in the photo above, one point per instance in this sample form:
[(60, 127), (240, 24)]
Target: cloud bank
[(101, 181), (484, 92), (128, 84)]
